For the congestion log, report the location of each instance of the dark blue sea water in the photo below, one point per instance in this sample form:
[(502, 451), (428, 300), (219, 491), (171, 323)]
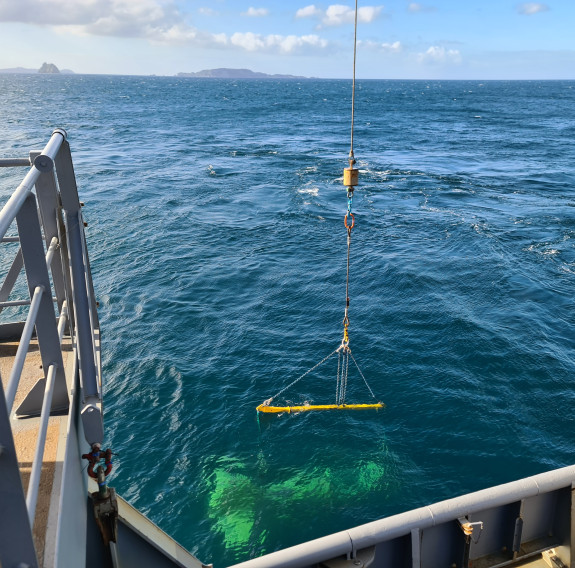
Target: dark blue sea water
[(217, 242)]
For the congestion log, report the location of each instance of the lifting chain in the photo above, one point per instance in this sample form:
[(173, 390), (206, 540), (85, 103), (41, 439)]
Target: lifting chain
[(349, 226)]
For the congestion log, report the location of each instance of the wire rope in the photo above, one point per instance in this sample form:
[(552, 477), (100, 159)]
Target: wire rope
[(302, 376), (338, 375), (361, 374), (353, 83)]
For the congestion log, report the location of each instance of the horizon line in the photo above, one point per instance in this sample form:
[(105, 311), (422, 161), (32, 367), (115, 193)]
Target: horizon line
[(280, 77)]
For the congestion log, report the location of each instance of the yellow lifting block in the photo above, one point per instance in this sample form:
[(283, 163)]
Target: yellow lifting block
[(350, 177), (309, 407)]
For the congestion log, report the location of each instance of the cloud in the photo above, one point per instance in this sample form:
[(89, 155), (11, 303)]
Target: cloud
[(158, 21), (277, 43), (394, 47), (338, 14), (438, 54), (207, 12), (529, 8), (416, 7), (153, 19), (308, 12), (256, 12)]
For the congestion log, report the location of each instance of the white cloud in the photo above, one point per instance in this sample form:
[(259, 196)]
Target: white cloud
[(338, 14), (125, 18), (248, 41), (367, 14), (308, 12), (256, 12), (438, 54), (416, 7), (394, 47), (158, 21), (221, 39), (155, 20), (277, 43), (207, 12), (529, 8)]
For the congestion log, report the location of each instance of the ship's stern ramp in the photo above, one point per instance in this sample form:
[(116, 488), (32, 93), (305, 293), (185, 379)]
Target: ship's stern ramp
[(530, 522), (51, 395)]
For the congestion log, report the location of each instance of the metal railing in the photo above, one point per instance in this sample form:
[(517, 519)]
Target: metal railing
[(53, 255)]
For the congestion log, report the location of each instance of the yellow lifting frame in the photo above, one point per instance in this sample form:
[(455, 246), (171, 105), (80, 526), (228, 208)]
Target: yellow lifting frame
[(308, 407)]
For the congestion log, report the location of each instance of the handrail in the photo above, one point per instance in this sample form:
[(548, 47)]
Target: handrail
[(34, 483), (51, 250), (14, 162), (15, 303), (23, 346), (10, 210)]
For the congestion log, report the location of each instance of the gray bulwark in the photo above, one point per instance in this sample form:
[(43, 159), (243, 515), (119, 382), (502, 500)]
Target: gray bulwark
[(433, 536)]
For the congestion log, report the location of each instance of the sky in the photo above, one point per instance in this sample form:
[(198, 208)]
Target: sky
[(397, 39)]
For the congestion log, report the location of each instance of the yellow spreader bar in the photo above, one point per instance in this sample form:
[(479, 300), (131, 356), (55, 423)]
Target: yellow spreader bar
[(309, 407)]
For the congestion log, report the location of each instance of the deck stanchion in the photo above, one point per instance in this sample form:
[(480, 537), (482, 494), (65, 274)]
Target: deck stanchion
[(34, 483)]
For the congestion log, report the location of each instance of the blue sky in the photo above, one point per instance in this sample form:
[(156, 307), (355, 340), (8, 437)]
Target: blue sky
[(398, 39)]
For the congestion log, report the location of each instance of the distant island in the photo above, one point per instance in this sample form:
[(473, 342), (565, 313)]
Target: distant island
[(224, 73), (45, 69), (49, 68)]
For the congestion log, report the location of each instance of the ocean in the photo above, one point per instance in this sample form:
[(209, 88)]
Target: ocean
[(215, 213)]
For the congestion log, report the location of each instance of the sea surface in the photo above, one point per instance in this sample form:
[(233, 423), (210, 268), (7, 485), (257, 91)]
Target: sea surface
[(217, 240)]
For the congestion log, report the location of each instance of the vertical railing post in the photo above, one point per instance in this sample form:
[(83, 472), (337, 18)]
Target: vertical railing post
[(84, 315), (34, 482)]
